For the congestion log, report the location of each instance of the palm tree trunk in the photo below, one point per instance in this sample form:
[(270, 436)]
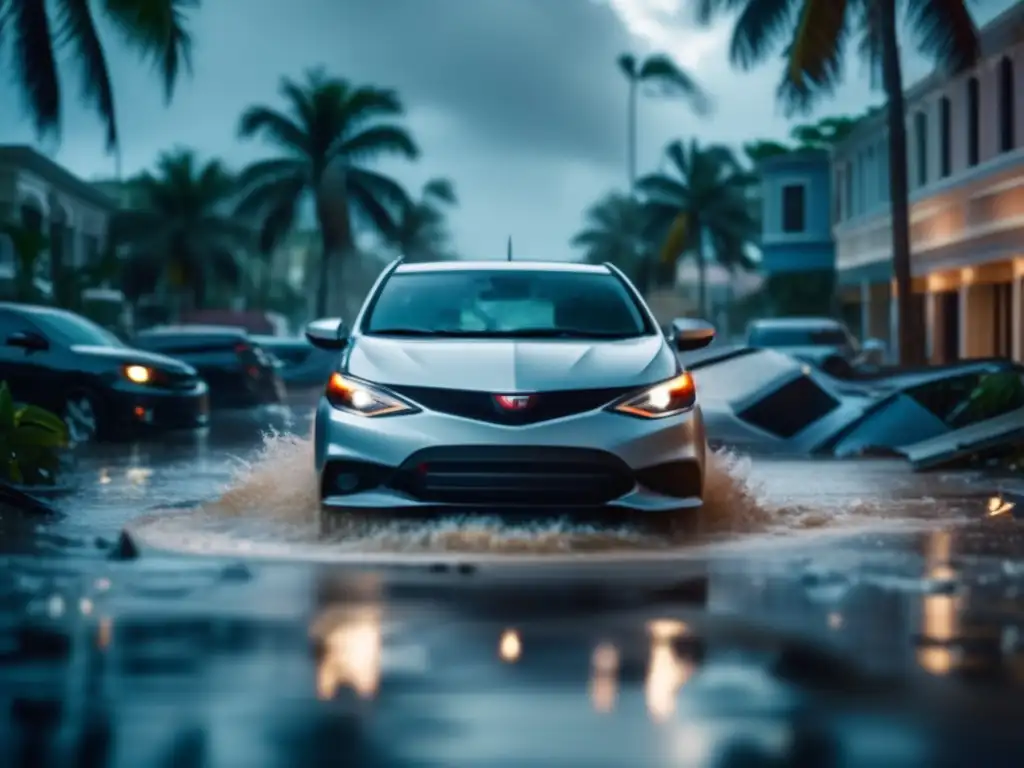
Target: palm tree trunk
[(911, 346), (631, 132), (326, 254)]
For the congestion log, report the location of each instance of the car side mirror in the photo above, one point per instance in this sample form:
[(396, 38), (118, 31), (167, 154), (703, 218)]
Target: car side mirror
[(328, 333), (30, 342), (688, 334)]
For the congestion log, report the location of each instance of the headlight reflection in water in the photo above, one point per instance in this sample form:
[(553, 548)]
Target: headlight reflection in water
[(666, 671), (350, 651)]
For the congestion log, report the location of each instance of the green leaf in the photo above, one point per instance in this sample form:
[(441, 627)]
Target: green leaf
[(33, 416), (14, 471)]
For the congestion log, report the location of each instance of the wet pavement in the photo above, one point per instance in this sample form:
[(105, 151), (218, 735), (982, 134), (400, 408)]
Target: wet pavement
[(840, 613)]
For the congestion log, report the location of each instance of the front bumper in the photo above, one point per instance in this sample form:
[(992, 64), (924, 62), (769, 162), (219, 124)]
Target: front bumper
[(134, 411), (428, 462)]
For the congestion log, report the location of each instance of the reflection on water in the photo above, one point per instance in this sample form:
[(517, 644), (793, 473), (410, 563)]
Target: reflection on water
[(666, 671), (604, 677), (997, 505), (941, 611), (510, 647), (350, 651)]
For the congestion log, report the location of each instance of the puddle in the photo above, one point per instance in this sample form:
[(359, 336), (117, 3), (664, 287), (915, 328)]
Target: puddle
[(271, 509)]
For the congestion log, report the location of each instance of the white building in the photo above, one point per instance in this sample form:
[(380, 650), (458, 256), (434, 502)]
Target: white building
[(966, 173), (37, 192)]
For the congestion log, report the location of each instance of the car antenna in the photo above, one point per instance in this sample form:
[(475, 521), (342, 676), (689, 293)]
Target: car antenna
[(510, 247)]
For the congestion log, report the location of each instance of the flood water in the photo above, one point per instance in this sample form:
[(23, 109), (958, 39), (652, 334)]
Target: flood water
[(840, 613)]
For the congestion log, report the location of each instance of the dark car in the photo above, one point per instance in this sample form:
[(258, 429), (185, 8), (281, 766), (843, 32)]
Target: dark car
[(301, 364), (103, 388), (239, 373)]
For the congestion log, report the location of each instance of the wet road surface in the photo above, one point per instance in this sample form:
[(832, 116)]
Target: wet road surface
[(839, 614)]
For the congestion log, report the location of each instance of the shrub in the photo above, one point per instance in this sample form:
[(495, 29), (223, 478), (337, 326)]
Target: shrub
[(31, 441)]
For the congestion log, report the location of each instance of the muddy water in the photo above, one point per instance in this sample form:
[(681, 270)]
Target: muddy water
[(270, 508)]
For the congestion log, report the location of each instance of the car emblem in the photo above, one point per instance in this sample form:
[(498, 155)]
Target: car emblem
[(514, 402)]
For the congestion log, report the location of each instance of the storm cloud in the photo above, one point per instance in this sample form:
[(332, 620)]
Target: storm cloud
[(519, 102)]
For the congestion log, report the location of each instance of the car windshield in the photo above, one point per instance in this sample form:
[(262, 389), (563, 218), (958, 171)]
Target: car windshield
[(798, 337), (520, 304), (75, 330)]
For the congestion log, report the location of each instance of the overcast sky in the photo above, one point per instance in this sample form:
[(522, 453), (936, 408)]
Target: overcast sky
[(519, 102)]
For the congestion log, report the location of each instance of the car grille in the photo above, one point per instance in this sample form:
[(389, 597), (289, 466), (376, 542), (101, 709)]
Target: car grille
[(514, 476), (178, 381), (480, 406)]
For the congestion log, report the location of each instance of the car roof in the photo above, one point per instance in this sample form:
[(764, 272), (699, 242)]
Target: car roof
[(796, 322), (502, 266)]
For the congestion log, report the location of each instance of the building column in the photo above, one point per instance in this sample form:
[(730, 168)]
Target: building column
[(931, 325), (1017, 304), (977, 323), (865, 311)]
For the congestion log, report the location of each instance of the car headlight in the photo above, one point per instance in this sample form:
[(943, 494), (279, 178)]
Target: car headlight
[(362, 399), (666, 399), (138, 374)]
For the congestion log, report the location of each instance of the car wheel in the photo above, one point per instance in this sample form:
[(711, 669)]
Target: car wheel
[(82, 418)]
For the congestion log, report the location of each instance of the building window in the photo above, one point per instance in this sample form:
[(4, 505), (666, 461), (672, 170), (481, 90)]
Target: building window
[(1007, 126), (945, 145), (837, 196), (793, 213), (973, 127), (921, 147)]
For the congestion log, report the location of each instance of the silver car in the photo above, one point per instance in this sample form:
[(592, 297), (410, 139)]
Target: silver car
[(497, 386)]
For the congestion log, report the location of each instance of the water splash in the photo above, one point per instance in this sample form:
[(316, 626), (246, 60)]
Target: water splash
[(272, 508)]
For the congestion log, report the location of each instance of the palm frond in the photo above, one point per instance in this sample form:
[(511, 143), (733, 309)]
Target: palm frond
[(761, 26), (35, 63), (670, 80), (158, 29), (376, 141), (945, 32), (79, 31), (274, 127)]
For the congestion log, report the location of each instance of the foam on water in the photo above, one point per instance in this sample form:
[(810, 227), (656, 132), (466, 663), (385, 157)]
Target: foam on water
[(272, 509)]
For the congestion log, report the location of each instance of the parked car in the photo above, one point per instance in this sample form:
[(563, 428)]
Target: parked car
[(300, 364), (103, 388), (239, 372), (814, 339)]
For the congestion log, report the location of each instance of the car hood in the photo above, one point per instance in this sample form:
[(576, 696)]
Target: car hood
[(131, 356), (508, 365)]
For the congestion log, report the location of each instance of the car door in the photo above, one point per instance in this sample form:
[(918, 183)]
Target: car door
[(25, 371)]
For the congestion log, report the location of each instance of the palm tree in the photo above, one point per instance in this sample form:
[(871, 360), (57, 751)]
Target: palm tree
[(329, 131), (702, 207), (665, 78), (421, 233), (816, 34), (616, 231), (182, 228), (38, 31)]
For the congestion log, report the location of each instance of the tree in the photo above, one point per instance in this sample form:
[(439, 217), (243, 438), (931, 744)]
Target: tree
[(816, 34), (421, 233), (702, 207), (182, 228), (40, 30), (665, 78), (328, 133), (616, 231)]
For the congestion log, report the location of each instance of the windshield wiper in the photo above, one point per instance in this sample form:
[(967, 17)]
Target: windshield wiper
[(421, 332)]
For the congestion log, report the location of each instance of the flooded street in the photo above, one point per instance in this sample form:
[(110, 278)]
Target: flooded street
[(839, 613)]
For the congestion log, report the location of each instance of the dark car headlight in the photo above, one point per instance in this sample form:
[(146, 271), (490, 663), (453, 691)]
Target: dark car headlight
[(668, 398), (363, 399), (139, 374)]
